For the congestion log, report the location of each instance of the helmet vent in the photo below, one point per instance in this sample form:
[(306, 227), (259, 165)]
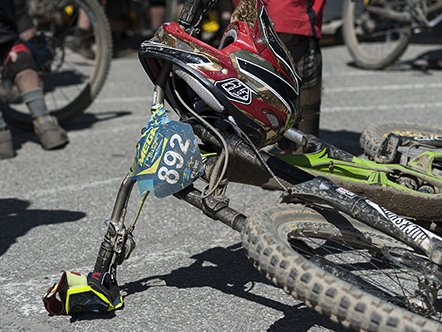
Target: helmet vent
[(183, 46), (230, 37), (199, 89), (273, 121)]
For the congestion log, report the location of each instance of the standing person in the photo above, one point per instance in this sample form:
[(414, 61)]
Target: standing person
[(299, 25), (157, 14), (117, 12), (19, 67)]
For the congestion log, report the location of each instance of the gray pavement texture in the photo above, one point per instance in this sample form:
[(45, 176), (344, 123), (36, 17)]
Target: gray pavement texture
[(188, 273)]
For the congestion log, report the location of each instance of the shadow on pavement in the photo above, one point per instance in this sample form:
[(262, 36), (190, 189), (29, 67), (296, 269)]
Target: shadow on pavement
[(87, 120), (229, 271), (16, 219), (92, 316), (424, 63), (427, 60), (345, 140), (84, 121)]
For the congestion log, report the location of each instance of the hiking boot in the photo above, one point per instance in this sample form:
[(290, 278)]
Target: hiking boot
[(49, 132), (6, 145)]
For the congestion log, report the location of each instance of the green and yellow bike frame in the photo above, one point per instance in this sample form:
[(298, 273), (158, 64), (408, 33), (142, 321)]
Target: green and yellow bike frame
[(410, 190)]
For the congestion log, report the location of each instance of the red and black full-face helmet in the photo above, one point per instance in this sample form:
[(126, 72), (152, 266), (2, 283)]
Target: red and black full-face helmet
[(250, 77)]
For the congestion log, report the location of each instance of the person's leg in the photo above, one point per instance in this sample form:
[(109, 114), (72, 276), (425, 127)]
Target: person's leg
[(84, 39), (157, 14), (19, 67), (311, 109), (6, 142), (117, 12), (306, 53), (46, 127)]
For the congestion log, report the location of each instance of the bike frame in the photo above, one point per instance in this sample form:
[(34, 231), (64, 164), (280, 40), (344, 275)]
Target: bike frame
[(304, 181), (377, 181), (308, 189)]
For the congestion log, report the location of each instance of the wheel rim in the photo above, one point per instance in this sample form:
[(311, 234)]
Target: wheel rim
[(376, 42), (348, 254)]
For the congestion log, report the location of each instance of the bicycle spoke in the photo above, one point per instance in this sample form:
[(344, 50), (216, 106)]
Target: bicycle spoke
[(384, 278)]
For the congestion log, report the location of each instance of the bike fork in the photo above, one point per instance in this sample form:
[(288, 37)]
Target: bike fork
[(118, 243)]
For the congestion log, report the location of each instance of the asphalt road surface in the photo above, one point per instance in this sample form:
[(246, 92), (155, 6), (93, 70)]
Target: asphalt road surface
[(188, 273)]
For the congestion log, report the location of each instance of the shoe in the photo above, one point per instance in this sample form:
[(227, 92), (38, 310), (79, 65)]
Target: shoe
[(49, 132), (6, 144)]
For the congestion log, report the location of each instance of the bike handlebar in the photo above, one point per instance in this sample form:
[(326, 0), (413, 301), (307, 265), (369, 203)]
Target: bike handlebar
[(188, 13)]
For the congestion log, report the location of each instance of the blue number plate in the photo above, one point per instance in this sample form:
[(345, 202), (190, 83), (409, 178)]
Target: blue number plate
[(168, 158)]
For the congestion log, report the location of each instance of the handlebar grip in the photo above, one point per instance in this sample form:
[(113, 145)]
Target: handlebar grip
[(188, 13)]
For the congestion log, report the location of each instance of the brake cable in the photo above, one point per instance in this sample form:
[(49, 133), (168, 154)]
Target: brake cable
[(212, 187), (255, 149), (226, 154)]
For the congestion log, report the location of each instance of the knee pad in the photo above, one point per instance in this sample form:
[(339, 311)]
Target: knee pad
[(17, 59)]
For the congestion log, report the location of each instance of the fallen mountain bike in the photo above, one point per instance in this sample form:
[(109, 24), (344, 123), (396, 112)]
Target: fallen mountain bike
[(377, 32), (72, 50), (344, 255)]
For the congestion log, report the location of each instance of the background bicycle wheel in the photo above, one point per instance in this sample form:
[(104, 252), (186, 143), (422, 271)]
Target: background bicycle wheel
[(75, 75)]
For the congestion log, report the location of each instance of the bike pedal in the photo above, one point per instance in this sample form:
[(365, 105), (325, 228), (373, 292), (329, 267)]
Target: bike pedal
[(388, 149)]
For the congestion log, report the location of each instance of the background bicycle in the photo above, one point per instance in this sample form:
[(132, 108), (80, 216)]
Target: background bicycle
[(377, 33), (72, 50)]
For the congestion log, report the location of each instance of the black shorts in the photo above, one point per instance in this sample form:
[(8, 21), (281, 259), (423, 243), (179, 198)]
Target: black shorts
[(306, 53), (157, 3)]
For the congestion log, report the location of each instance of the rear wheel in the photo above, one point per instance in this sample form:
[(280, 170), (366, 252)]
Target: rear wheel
[(74, 64), (343, 269), (373, 40), (372, 137)]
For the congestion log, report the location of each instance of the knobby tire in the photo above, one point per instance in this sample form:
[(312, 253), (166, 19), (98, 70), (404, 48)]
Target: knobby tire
[(277, 239), (372, 136)]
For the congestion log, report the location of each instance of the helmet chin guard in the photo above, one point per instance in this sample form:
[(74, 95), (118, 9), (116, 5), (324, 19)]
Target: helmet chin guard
[(251, 77)]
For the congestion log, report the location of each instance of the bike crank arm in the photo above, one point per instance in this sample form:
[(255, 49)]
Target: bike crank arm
[(324, 191)]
